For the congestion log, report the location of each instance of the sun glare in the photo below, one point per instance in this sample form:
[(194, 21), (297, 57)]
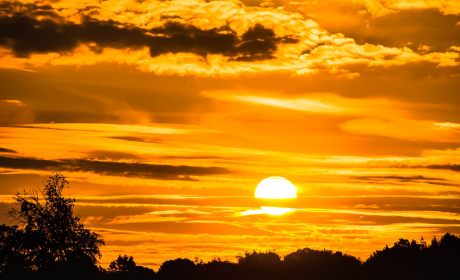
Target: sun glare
[(275, 211), (276, 188)]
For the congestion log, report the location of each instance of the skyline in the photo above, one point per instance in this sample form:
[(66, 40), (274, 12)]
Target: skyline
[(165, 116)]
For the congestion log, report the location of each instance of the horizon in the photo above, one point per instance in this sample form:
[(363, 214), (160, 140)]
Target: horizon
[(165, 116)]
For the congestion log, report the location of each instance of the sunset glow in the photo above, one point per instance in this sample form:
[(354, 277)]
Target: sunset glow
[(268, 210), (210, 128)]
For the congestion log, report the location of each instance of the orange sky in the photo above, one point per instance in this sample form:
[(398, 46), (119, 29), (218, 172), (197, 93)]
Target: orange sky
[(165, 115)]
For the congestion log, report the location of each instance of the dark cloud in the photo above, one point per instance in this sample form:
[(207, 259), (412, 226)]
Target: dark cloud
[(3, 150), (396, 177), (136, 139), (154, 171), (166, 17), (407, 179), (452, 167), (187, 38), (259, 43), (418, 27), (25, 34), (449, 193)]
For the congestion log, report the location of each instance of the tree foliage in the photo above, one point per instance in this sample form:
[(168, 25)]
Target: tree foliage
[(122, 264), (125, 268), (47, 237), (416, 260), (178, 269)]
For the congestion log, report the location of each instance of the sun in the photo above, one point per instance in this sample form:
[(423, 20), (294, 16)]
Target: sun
[(276, 188)]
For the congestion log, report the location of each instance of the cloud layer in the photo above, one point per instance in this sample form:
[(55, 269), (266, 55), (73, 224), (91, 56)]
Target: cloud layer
[(110, 168), (245, 39), (165, 116), (39, 29)]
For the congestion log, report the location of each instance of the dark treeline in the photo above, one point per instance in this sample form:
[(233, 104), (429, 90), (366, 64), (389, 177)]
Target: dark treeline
[(49, 242)]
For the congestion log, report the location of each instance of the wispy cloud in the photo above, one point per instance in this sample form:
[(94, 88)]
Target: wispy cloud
[(12, 102), (111, 168), (268, 210), (4, 150), (307, 105)]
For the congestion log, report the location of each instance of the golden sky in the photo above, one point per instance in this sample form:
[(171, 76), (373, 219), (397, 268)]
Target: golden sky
[(165, 116)]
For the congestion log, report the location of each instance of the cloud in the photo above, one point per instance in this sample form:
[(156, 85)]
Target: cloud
[(397, 177), (14, 111), (161, 172), (274, 211), (206, 38), (447, 125), (379, 8), (308, 105), (406, 179), (26, 32), (435, 33), (91, 220), (13, 102), (452, 167), (110, 155), (402, 128), (4, 150), (378, 116), (136, 139), (119, 128), (321, 103), (146, 218), (193, 157)]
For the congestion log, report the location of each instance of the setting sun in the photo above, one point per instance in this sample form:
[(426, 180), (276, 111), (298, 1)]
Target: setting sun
[(275, 188)]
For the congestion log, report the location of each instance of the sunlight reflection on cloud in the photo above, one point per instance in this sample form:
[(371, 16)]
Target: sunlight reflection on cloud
[(275, 211)]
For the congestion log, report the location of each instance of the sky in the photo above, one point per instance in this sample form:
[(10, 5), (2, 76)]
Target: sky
[(165, 115)]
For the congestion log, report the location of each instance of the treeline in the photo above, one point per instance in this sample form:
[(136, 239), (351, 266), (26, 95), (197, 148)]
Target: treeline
[(404, 260), (48, 242)]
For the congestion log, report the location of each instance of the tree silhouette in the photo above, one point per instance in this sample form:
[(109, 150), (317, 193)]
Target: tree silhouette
[(48, 241), (313, 264), (125, 268), (122, 264), (218, 269), (414, 260), (178, 269), (266, 265)]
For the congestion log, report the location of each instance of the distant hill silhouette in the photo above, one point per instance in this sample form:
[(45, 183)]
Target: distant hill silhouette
[(49, 243)]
